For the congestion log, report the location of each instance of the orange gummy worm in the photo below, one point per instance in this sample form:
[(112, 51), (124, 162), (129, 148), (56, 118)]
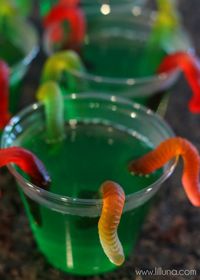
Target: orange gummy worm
[(166, 151), (113, 203)]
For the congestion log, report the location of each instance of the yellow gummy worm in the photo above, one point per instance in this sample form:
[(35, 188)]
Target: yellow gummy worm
[(59, 63), (8, 15), (167, 15), (113, 203), (166, 23), (7, 8), (50, 95)]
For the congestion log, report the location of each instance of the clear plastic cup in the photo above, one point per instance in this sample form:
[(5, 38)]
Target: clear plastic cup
[(65, 226), (46, 5), (19, 45), (118, 57)]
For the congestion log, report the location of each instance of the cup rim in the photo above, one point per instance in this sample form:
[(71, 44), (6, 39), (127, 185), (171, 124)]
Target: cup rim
[(33, 51), (79, 201), (125, 81), (129, 81)]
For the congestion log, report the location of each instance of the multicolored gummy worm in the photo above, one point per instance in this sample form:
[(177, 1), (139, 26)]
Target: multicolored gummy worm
[(60, 62), (114, 197), (166, 23), (112, 194), (113, 203), (28, 163), (170, 149), (50, 95), (190, 65)]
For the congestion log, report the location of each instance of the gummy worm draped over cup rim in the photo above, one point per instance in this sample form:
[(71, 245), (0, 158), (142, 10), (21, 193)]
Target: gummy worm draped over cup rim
[(50, 95), (167, 150), (113, 195), (72, 14), (60, 62), (167, 14), (166, 24), (167, 17), (4, 94), (113, 203), (28, 162), (190, 65)]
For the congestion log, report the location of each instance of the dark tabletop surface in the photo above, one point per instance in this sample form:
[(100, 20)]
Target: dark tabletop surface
[(171, 236)]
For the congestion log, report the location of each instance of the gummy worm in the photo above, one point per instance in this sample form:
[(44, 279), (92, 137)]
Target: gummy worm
[(71, 14), (50, 94), (166, 23), (69, 2), (167, 14), (7, 9), (14, 8), (113, 203), (4, 94), (60, 62), (168, 7), (190, 65), (167, 150), (28, 162)]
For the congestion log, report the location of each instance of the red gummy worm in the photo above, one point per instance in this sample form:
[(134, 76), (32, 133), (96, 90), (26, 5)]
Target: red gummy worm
[(72, 14), (28, 162), (190, 65), (166, 151), (4, 94), (69, 2)]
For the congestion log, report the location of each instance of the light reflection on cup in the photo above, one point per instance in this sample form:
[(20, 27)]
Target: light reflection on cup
[(117, 55), (64, 221), (19, 45)]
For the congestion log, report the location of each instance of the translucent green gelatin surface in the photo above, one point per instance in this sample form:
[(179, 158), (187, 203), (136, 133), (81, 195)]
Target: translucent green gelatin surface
[(123, 57), (118, 59), (90, 154)]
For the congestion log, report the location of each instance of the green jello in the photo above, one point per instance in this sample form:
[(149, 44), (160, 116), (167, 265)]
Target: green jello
[(91, 153)]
